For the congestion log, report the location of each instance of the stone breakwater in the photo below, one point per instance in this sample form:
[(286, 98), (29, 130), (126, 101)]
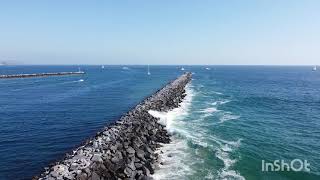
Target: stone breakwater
[(40, 75), (126, 149)]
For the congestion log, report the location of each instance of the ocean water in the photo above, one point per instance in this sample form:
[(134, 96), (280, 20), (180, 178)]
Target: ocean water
[(232, 118), (43, 118)]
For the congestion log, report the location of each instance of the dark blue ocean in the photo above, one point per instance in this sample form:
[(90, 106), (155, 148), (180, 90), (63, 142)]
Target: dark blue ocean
[(232, 118)]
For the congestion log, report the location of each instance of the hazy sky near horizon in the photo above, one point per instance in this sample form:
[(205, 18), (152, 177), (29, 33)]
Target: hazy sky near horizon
[(285, 32)]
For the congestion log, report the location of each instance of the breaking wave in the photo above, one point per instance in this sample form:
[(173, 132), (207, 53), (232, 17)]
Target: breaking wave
[(192, 140)]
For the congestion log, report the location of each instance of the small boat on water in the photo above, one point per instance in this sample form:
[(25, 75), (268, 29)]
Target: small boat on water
[(125, 68), (149, 70), (207, 68), (314, 68), (182, 69), (102, 67), (79, 70)]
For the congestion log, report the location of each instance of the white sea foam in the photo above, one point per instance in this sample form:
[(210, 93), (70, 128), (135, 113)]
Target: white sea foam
[(210, 110), (168, 118), (226, 148), (223, 153), (175, 160), (210, 175), (178, 159), (218, 93), (217, 103), (230, 174), (228, 116)]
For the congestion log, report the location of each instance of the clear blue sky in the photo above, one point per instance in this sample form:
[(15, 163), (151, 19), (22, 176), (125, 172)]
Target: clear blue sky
[(160, 32)]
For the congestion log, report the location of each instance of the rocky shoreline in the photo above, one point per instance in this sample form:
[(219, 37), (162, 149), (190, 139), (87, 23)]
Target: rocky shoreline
[(126, 149)]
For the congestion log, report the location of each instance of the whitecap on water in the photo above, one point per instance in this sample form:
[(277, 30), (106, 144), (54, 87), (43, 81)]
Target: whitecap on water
[(228, 116), (223, 154), (209, 110), (230, 174), (215, 92), (220, 102), (80, 80)]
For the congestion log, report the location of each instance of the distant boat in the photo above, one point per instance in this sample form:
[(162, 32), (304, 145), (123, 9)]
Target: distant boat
[(102, 67), (81, 80), (314, 68), (207, 68), (149, 70), (182, 69), (125, 68)]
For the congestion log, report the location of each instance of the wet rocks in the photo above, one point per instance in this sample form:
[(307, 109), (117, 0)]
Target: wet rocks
[(126, 149)]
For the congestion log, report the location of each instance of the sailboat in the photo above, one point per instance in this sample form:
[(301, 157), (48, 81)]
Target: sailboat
[(102, 67), (182, 69), (314, 68), (149, 70)]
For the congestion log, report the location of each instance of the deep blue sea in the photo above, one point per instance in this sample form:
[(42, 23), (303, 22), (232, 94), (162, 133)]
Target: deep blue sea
[(232, 118)]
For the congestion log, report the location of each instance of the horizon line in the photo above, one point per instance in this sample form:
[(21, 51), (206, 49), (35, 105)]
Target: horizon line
[(158, 65)]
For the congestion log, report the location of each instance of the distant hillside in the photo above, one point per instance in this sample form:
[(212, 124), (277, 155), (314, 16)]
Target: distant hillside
[(3, 63)]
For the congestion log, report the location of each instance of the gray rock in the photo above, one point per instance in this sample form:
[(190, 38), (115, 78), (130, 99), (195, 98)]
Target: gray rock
[(94, 176), (68, 176), (82, 176), (96, 158), (146, 171), (128, 172), (95, 145), (138, 165), (130, 150)]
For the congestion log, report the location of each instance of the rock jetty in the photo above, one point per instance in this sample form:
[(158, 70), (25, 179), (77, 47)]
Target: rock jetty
[(125, 149), (40, 75)]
